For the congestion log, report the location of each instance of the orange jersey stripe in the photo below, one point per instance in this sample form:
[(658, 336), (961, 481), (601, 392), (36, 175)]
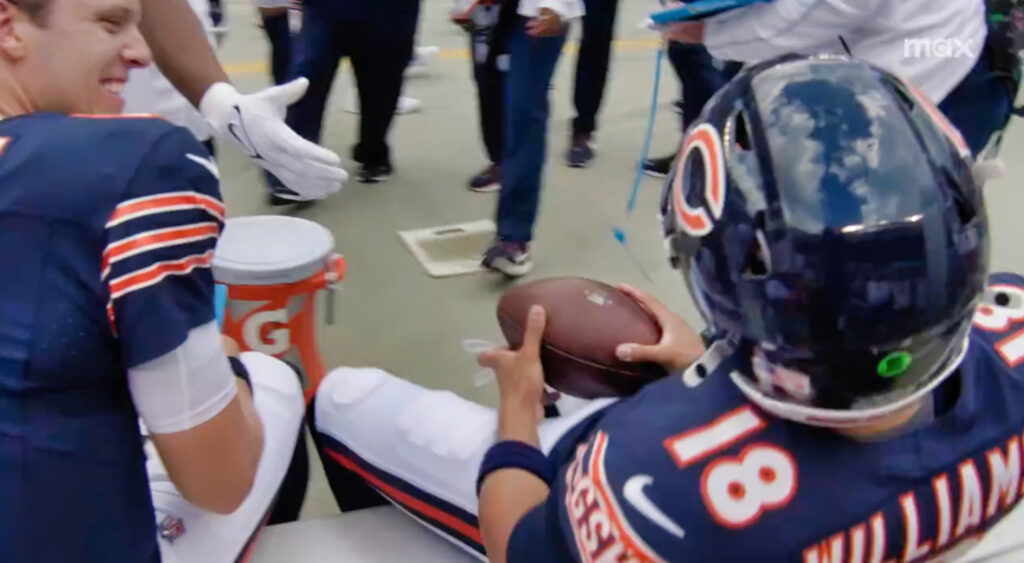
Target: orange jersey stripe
[(152, 240), (412, 503), (154, 274), (176, 201)]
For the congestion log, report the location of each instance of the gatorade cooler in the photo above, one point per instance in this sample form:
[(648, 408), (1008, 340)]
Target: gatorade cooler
[(274, 268)]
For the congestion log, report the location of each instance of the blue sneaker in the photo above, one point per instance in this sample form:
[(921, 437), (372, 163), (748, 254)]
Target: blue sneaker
[(509, 258)]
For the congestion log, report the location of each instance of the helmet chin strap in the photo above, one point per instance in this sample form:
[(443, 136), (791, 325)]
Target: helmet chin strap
[(850, 418)]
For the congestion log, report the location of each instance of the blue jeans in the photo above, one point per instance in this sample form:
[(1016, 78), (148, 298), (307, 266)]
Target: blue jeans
[(979, 106), (531, 65)]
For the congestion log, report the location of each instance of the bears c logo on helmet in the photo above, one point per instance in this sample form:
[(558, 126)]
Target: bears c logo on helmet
[(699, 221)]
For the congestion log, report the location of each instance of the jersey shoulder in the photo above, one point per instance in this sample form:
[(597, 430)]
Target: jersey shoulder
[(77, 169), (998, 323), (86, 141)]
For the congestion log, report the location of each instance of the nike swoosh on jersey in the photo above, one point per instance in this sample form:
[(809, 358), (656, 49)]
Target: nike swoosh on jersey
[(633, 492), (205, 163)]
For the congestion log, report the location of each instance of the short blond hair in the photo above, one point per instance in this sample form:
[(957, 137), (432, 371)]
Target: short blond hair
[(36, 10)]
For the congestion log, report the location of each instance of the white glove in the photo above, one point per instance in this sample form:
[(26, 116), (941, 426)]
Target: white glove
[(255, 123)]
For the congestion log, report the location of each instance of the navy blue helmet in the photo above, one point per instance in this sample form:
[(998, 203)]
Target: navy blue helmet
[(824, 214)]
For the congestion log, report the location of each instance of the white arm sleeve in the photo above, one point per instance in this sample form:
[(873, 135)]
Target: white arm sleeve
[(186, 387), (762, 31)]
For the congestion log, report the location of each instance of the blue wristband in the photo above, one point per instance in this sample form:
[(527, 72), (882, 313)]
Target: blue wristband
[(511, 454)]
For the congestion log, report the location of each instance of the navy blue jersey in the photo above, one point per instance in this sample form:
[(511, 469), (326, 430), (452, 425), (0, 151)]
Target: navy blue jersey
[(689, 470), (107, 231)]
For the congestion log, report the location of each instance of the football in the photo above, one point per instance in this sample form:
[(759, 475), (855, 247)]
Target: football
[(586, 321)]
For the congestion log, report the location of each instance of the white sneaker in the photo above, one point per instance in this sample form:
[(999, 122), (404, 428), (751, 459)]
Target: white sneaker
[(423, 56), (405, 105), (408, 105)]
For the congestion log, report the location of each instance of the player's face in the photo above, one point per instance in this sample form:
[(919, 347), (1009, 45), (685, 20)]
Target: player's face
[(78, 60)]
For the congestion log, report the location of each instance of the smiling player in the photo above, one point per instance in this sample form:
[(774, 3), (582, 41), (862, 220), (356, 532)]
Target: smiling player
[(107, 231)]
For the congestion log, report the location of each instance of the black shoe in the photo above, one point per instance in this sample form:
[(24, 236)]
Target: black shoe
[(279, 194), (581, 152), (486, 181), (216, 13), (658, 167), (374, 173)]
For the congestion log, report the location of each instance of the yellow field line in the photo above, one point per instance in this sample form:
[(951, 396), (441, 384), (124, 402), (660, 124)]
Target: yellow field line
[(457, 54)]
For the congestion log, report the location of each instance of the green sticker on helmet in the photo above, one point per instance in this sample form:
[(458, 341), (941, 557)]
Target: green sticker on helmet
[(895, 364)]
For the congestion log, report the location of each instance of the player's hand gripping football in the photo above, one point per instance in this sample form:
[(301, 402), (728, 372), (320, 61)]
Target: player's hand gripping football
[(255, 124), (679, 346), (519, 372)]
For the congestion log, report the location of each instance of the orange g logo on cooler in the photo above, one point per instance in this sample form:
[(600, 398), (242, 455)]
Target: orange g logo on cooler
[(267, 332)]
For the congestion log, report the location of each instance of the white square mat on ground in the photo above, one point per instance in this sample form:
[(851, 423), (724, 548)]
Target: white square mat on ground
[(450, 250)]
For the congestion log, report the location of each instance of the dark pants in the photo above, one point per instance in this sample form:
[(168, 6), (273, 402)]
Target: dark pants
[(979, 106), (592, 63), (700, 75), (531, 65), (489, 60), (276, 28), (379, 46)]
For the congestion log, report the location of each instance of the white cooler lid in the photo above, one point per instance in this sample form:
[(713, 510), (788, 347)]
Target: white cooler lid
[(270, 250)]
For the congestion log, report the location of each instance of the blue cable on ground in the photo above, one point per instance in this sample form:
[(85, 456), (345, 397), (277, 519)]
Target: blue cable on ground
[(650, 133), (619, 232)]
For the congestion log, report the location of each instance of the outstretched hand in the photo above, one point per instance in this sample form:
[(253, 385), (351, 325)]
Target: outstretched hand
[(679, 345)]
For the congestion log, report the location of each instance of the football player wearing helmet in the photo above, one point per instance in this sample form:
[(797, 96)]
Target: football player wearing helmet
[(859, 402)]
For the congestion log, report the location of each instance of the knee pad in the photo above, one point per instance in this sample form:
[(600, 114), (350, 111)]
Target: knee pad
[(442, 424)]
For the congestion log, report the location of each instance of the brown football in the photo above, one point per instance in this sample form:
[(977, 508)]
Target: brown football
[(586, 321)]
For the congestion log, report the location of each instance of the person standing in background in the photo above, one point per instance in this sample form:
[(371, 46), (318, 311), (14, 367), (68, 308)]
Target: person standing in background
[(536, 33), (149, 92), (940, 47), (378, 37), (253, 123), (591, 76), (274, 18), (700, 76), (489, 51)]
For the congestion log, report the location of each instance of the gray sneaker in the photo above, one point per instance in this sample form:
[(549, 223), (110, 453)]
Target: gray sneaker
[(509, 258)]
